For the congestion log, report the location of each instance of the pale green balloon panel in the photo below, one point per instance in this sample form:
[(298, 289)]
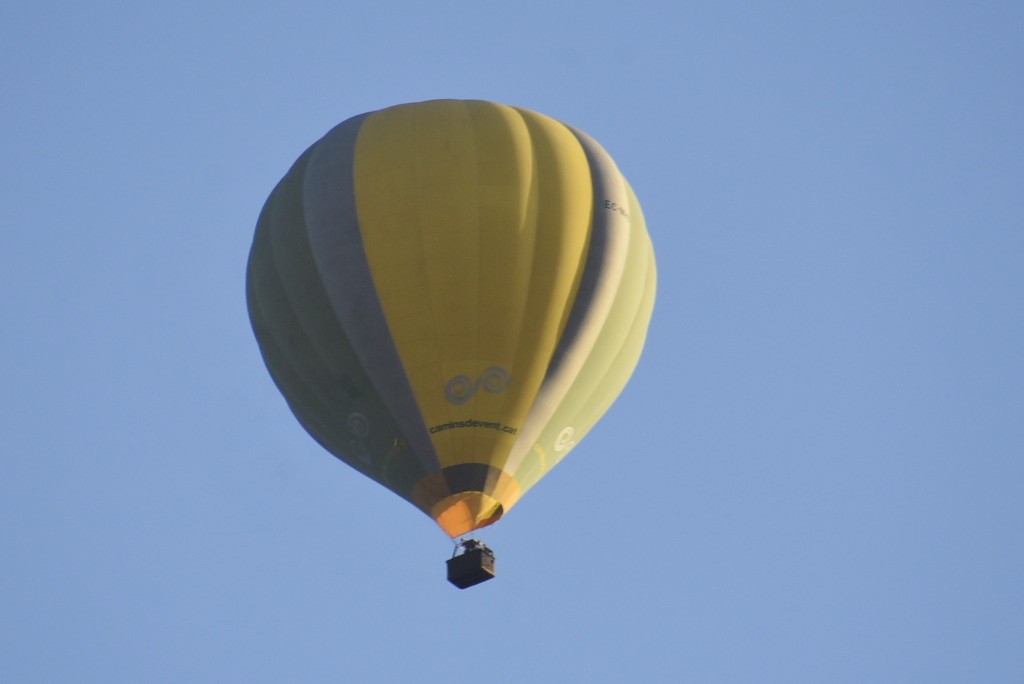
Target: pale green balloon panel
[(610, 362)]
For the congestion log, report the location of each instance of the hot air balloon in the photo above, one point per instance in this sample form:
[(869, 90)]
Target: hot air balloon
[(449, 294)]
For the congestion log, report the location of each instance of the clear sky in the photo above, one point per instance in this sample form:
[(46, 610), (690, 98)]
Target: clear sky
[(815, 475)]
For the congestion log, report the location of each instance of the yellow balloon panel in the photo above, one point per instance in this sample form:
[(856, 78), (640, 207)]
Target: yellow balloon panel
[(474, 218)]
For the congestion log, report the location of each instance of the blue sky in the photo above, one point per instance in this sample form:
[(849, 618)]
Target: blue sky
[(816, 473)]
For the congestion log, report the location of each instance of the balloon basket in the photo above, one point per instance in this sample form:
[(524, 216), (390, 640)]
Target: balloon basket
[(474, 565)]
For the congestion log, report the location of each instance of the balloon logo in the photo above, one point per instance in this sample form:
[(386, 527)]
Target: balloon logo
[(564, 440), (358, 424), (438, 289), (461, 389)]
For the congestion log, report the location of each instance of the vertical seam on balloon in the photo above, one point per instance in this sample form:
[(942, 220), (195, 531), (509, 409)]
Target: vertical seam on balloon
[(530, 222), (415, 155), (477, 252)]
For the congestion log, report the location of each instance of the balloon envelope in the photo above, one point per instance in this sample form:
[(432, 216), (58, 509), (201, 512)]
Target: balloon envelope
[(449, 294)]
